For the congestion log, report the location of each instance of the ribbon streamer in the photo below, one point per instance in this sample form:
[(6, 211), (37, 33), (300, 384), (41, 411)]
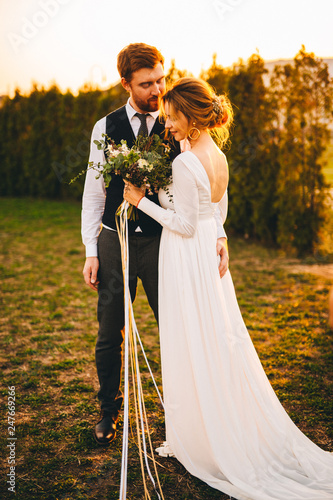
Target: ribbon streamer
[(131, 338)]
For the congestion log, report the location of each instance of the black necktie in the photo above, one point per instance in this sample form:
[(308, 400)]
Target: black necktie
[(143, 130)]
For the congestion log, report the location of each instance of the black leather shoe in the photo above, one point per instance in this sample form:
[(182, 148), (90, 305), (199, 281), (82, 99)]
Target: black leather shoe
[(105, 430)]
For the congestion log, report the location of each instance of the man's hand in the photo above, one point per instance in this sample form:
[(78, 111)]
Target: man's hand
[(222, 250), (90, 272)]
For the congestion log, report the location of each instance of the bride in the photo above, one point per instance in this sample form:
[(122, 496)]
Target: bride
[(224, 422)]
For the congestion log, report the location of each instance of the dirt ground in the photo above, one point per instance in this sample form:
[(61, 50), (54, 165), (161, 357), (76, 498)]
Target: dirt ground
[(324, 270)]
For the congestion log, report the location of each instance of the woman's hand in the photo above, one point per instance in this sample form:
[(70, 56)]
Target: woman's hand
[(133, 194), (222, 250)]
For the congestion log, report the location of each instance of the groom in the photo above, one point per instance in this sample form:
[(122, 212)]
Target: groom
[(141, 70)]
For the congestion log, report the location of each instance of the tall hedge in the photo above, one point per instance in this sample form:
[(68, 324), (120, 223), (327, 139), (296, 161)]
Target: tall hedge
[(277, 189)]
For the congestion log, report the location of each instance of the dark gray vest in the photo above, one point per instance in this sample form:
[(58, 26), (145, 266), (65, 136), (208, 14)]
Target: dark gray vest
[(118, 127)]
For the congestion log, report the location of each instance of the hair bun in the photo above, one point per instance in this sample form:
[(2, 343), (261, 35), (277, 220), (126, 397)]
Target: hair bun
[(217, 108), (220, 110)]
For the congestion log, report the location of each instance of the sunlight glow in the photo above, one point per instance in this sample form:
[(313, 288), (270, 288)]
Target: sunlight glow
[(75, 42)]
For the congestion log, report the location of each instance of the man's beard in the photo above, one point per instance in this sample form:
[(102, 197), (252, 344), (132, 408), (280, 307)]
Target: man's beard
[(152, 104)]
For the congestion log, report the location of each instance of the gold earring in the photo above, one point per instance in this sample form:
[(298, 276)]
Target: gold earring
[(195, 131)]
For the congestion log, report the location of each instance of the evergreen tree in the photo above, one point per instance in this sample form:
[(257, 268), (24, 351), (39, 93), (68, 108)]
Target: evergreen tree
[(174, 74), (277, 189), (252, 157), (217, 77), (303, 92)]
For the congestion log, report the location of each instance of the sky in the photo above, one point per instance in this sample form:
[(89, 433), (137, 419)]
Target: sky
[(75, 42)]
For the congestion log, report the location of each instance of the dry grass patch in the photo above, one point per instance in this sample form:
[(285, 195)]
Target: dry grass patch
[(48, 329)]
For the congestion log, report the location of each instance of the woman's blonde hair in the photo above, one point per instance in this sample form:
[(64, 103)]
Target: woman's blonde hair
[(196, 99)]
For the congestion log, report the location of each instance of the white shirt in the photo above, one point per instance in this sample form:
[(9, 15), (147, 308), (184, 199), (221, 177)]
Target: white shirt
[(94, 193)]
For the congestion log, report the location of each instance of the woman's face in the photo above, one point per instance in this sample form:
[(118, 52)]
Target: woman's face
[(176, 122)]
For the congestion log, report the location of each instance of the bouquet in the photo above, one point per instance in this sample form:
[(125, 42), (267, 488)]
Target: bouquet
[(146, 164)]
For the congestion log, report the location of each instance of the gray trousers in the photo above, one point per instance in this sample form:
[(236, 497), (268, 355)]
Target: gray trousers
[(143, 263)]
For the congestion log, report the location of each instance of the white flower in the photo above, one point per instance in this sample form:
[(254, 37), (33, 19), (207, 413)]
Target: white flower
[(112, 152), (124, 149), (142, 163), (150, 168)]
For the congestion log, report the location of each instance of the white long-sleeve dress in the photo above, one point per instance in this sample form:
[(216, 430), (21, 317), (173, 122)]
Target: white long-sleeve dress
[(224, 422)]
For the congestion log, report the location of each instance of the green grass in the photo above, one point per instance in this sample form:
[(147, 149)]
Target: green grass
[(48, 329)]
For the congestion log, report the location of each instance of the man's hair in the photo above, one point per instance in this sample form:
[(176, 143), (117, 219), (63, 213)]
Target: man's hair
[(137, 56)]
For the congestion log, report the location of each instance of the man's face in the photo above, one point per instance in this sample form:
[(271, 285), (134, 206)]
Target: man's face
[(146, 88)]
